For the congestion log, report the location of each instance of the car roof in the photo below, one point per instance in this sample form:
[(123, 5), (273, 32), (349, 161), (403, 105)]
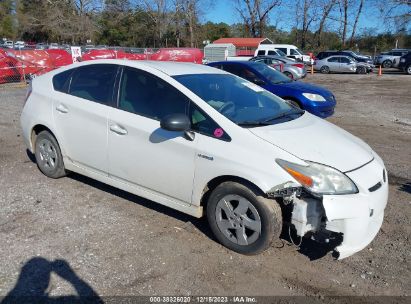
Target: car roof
[(170, 68)]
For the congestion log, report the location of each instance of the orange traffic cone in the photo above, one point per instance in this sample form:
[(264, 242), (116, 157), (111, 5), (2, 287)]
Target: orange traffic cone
[(380, 71)]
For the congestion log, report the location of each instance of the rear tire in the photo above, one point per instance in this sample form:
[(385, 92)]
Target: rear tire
[(48, 155), (408, 69), (243, 220), (325, 69)]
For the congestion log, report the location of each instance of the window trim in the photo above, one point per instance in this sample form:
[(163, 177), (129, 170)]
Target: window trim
[(111, 103), (120, 82), (202, 112)]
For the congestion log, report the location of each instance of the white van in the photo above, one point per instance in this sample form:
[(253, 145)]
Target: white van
[(289, 50)]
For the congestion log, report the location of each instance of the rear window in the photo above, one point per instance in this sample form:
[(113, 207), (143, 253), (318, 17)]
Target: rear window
[(61, 81), (94, 82)]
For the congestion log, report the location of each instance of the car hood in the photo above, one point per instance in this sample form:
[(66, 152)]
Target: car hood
[(314, 139), (307, 88)]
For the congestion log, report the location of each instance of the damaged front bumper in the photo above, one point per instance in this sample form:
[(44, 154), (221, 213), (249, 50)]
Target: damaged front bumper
[(355, 218), (358, 216)]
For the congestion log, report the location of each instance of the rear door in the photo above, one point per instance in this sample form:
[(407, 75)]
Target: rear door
[(81, 115)]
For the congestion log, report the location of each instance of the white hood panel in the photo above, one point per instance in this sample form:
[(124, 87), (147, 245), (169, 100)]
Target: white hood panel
[(314, 139)]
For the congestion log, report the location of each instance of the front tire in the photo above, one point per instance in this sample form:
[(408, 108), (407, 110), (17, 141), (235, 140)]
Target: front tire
[(408, 69), (387, 64), (48, 155), (289, 75), (243, 220), (361, 70)]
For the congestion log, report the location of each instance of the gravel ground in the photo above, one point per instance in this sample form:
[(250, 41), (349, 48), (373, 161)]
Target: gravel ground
[(78, 235)]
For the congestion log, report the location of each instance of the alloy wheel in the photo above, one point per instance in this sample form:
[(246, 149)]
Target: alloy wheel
[(238, 219)]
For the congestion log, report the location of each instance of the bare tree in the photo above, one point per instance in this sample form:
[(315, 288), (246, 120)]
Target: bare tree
[(159, 12), (396, 12), (309, 15), (325, 6), (354, 27), (255, 14), (344, 4)]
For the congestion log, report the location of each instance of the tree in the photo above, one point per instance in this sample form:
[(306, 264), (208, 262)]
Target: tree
[(396, 12), (349, 10), (7, 28), (325, 6), (255, 14)]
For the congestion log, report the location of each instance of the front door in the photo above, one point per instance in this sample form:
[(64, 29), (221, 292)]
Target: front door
[(140, 152)]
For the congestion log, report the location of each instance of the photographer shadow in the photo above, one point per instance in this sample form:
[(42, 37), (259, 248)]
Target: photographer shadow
[(34, 280)]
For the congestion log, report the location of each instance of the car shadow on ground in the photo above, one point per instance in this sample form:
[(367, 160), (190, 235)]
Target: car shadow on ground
[(200, 224), (34, 279)]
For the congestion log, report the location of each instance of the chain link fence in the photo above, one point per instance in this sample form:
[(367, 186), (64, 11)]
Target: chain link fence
[(19, 66)]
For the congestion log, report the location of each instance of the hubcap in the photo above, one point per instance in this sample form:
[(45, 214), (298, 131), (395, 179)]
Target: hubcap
[(47, 153), (238, 219), (409, 70)]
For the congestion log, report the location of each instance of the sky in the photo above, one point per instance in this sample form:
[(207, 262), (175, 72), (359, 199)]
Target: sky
[(224, 11)]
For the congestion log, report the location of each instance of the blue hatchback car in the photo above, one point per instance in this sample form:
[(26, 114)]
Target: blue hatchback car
[(312, 98)]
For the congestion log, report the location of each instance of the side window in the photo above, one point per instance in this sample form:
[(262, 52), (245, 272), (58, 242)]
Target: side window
[(147, 95), (247, 74), (396, 53), (272, 53), (260, 52), (344, 60), (284, 50), (231, 68), (94, 82), (333, 59), (61, 81), (202, 123)]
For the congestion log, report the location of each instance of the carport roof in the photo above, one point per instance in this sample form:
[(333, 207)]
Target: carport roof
[(245, 42)]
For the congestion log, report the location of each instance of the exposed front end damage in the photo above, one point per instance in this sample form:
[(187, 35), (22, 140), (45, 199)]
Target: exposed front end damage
[(347, 222)]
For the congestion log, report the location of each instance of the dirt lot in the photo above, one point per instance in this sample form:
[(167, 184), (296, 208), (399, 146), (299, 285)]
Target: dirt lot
[(94, 238)]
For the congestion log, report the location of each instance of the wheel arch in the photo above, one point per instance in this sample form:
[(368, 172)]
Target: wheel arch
[(294, 99), (36, 130), (216, 181)]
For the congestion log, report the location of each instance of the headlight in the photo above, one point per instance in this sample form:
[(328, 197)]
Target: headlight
[(319, 179), (314, 97)]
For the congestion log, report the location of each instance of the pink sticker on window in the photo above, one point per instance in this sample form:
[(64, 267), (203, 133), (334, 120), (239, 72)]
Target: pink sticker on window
[(218, 132)]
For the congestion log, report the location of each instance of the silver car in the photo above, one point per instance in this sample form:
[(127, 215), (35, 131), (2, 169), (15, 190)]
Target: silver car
[(390, 59), (341, 64), (292, 68)]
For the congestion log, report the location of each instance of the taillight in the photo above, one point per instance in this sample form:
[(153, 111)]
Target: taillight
[(299, 65), (28, 93)]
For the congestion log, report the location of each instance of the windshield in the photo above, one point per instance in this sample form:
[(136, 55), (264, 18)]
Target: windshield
[(271, 74), (300, 52), (242, 102)]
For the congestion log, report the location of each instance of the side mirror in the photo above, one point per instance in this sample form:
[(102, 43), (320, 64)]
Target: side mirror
[(176, 122)]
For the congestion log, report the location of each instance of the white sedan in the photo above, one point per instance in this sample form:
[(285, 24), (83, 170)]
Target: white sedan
[(206, 142)]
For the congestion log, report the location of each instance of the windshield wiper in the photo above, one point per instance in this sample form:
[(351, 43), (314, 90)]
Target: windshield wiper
[(284, 114), (252, 123)]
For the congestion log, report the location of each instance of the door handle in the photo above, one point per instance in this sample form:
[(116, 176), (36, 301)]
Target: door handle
[(62, 108), (118, 129)]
